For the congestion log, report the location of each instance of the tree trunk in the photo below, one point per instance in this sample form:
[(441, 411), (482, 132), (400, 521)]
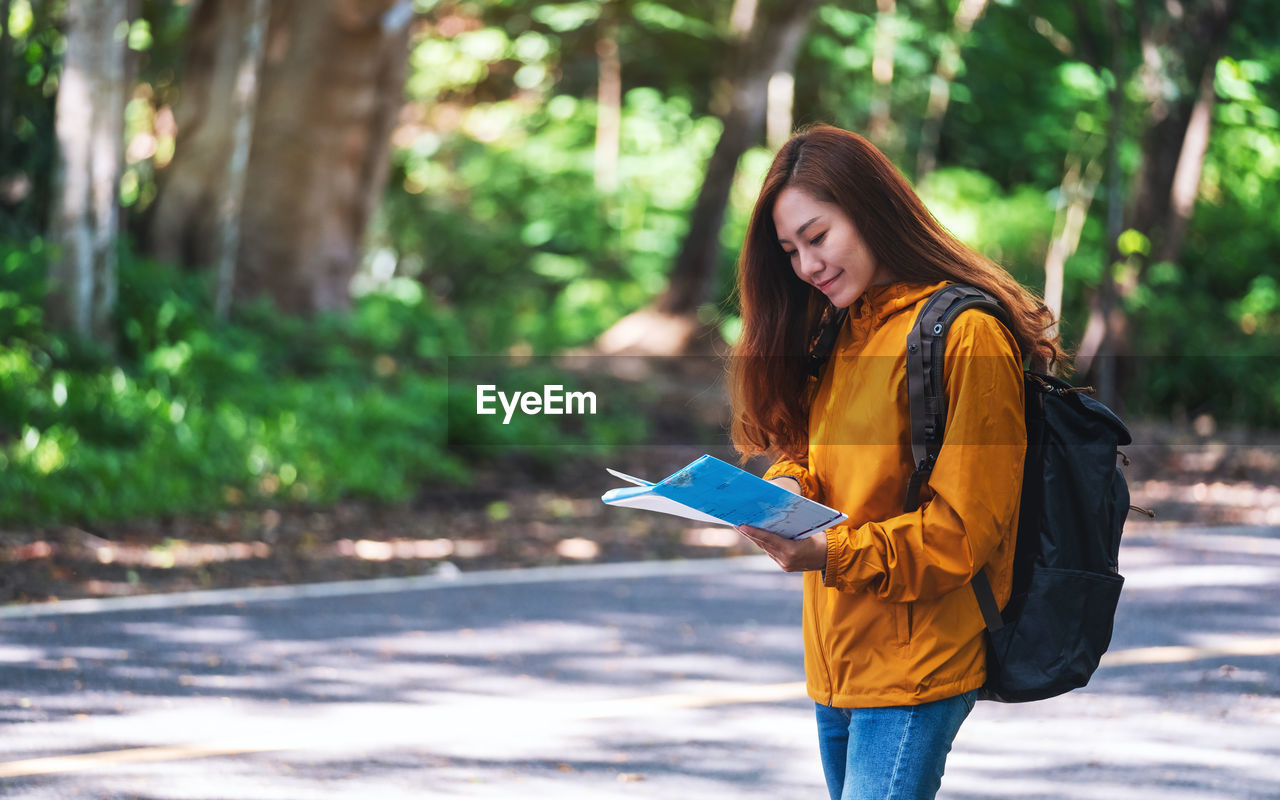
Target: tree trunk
[(1185, 186), (766, 42), (880, 126), (330, 90), (771, 47), (244, 100), (181, 229), (608, 103), (949, 61), (780, 109), (1106, 325), (1076, 195), (90, 130), (1180, 52)]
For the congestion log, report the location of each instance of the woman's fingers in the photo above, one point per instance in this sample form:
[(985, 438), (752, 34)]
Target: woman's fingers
[(763, 539), (793, 555)]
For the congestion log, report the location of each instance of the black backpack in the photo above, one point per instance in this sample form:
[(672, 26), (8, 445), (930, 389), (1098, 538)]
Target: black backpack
[(1057, 624)]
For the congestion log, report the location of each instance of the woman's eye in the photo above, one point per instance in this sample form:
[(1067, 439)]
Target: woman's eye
[(817, 240), (789, 253)]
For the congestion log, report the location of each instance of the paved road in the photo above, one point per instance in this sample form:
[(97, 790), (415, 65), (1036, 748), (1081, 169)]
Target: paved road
[(621, 681)]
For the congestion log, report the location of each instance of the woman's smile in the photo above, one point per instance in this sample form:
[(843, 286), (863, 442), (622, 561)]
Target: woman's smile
[(826, 284)]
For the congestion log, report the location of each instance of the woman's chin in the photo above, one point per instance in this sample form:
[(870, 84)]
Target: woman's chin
[(843, 295)]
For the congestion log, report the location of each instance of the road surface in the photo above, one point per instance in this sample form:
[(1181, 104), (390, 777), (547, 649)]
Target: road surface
[(655, 680)]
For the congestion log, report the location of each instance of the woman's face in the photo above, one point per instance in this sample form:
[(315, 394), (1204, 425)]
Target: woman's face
[(824, 246)]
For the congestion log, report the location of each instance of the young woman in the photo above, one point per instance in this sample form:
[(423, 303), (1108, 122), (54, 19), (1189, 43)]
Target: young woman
[(894, 649)]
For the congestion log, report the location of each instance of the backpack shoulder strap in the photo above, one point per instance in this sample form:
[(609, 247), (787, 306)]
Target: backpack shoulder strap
[(991, 616), (926, 344)]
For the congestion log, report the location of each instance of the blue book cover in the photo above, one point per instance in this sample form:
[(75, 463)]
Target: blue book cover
[(710, 490)]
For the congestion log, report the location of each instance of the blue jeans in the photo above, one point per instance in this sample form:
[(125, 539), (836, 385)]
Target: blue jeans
[(892, 753)]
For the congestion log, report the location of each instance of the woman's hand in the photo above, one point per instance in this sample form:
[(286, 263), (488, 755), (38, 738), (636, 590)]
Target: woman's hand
[(787, 482), (793, 555)]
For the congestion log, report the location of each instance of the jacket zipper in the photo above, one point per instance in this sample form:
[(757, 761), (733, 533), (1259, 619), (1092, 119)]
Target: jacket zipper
[(822, 645)]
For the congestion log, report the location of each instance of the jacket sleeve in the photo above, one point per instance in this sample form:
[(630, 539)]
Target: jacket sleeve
[(793, 469), (970, 503)]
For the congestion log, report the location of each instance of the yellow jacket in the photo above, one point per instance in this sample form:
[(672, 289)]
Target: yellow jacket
[(892, 619)]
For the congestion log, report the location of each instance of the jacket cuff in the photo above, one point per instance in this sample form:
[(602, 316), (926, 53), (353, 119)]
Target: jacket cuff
[(847, 568), (790, 469), (837, 543)]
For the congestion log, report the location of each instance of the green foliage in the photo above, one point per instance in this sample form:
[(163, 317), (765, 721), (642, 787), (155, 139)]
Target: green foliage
[(192, 416), (31, 68), (1213, 321), (27, 146), (1012, 228), (495, 237), (510, 226), (500, 218)]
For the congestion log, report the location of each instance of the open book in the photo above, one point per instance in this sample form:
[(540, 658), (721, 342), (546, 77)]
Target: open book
[(709, 490)]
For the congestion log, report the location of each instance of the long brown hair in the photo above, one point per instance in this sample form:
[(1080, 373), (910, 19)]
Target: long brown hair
[(768, 375)]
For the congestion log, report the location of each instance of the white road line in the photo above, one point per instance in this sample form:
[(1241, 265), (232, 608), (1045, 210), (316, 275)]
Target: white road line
[(1261, 541), (1176, 654), (80, 762), (1253, 540), (501, 577)]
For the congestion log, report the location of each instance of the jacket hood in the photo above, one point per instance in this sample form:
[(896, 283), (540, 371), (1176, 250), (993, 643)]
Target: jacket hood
[(881, 301)]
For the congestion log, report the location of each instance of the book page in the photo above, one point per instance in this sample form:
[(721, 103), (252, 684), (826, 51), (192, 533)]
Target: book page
[(711, 490)]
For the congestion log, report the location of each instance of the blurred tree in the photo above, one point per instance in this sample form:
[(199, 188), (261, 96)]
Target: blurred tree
[(1180, 46), (1180, 49), (762, 42), (948, 67), (608, 99), (181, 229), (90, 133), (1104, 331), (6, 96), (1075, 195), (890, 69), (881, 129), (243, 100), (330, 90)]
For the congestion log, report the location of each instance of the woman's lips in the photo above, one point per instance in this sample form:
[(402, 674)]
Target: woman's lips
[(823, 286)]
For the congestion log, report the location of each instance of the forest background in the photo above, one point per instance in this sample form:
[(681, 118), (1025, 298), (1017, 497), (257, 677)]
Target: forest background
[(244, 245)]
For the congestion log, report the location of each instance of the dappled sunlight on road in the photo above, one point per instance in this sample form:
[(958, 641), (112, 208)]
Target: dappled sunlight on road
[(1091, 746), (655, 680)]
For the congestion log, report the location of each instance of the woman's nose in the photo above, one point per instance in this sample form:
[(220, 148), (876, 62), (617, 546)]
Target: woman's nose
[(809, 264)]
